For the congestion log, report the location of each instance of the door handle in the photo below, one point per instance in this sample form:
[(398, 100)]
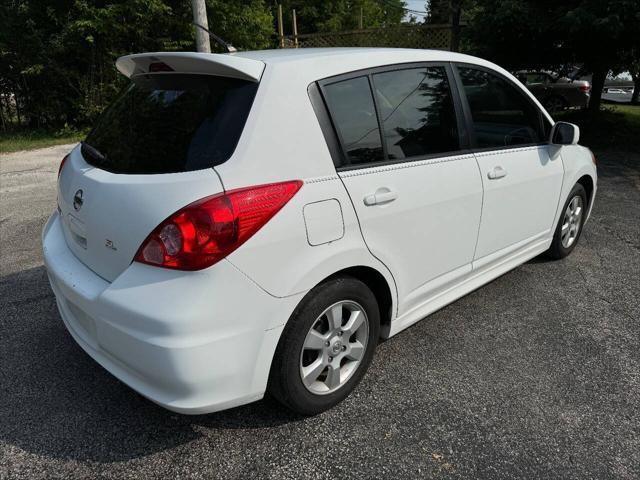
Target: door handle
[(497, 172), (383, 195)]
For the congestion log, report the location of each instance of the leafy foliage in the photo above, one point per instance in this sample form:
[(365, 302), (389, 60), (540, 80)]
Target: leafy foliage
[(336, 15), (247, 24), (548, 33), (57, 58)]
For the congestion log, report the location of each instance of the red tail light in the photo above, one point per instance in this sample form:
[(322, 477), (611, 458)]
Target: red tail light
[(64, 160), (585, 88), (209, 229)]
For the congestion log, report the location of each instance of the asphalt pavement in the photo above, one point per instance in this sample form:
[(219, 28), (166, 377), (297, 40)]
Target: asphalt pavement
[(536, 375)]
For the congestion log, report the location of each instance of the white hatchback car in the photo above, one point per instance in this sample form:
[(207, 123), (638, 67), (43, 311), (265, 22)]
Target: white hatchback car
[(254, 222)]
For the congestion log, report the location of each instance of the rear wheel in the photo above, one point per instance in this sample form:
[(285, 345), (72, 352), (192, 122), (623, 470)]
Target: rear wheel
[(570, 225), (326, 347)]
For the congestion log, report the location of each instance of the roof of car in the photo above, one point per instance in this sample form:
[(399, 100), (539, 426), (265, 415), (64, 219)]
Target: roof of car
[(293, 54), (329, 54), (302, 64)]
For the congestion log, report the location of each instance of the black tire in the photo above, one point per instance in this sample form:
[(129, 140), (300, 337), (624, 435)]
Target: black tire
[(285, 379), (557, 250)]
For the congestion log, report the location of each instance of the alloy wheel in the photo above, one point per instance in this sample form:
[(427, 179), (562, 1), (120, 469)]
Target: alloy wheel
[(571, 222), (334, 347)]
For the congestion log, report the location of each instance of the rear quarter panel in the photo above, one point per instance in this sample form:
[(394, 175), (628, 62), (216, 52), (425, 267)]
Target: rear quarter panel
[(280, 259), (282, 140)]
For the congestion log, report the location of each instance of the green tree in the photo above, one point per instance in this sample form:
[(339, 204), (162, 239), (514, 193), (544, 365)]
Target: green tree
[(336, 15), (545, 33), (598, 33), (57, 58), (246, 24)]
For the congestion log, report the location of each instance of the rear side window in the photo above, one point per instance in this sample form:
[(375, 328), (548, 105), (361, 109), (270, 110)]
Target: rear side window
[(417, 112), (502, 115), (354, 115), (167, 123)]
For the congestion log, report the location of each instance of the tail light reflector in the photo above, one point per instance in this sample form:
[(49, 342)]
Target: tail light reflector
[(585, 88), (206, 231), (64, 160)]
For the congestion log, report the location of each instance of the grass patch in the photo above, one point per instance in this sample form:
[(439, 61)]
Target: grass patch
[(614, 127), (13, 141)]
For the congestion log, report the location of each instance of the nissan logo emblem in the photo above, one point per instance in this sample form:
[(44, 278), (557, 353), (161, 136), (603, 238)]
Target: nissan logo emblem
[(77, 200)]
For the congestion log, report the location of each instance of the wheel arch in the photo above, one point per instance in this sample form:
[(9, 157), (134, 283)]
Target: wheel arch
[(587, 182), (579, 168), (380, 287), (379, 282)]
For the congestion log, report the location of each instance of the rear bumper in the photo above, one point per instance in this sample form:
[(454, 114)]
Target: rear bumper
[(193, 342)]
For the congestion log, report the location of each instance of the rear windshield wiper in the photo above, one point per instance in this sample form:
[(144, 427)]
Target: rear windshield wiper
[(93, 152)]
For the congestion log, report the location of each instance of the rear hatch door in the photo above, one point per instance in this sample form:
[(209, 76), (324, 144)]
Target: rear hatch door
[(152, 152)]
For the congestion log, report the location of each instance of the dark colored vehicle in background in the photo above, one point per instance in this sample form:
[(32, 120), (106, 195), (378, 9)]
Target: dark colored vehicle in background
[(556, 93)]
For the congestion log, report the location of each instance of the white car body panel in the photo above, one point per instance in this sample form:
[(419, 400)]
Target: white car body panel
[(472, 279), (136, 328), (577, 165), (282, 247), (122, 209), (522, 204), (430, 214), (170, 334)]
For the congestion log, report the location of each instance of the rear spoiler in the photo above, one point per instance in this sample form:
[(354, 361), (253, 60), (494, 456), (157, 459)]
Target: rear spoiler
[(223, 65)]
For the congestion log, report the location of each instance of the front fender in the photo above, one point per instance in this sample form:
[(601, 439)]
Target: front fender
[(578, 162)]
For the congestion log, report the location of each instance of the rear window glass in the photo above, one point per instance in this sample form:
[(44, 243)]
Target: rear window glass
[(354, 114), (169, 123)]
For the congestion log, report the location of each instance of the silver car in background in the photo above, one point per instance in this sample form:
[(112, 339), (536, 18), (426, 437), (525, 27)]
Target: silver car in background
[(617, 95), (556, 93)]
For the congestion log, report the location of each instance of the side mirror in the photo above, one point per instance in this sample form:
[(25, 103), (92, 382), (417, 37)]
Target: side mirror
[(564, 133)]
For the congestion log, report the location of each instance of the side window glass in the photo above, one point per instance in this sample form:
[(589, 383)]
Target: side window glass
[(417, 112), (502, 115), (354, 115)]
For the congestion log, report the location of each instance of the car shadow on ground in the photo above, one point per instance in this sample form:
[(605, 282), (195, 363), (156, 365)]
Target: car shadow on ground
[(56, 401)]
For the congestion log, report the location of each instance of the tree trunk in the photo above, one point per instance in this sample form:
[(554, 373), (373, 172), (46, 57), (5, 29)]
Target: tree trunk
[(456, 13), (597, 84), (4, 123), (635, 98)]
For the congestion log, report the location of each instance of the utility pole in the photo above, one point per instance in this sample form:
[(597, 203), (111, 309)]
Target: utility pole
[(295, 28), (200, 18), (280, 27)]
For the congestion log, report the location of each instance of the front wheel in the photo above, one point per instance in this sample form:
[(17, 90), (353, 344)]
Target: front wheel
[(326, 347), (570, 225)]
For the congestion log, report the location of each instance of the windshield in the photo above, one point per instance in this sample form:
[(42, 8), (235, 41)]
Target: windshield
[(167, 123)]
